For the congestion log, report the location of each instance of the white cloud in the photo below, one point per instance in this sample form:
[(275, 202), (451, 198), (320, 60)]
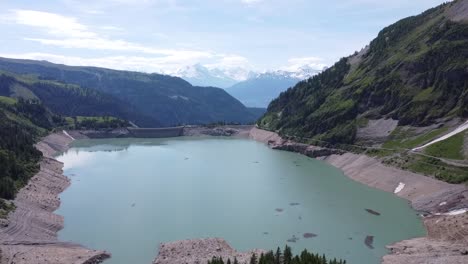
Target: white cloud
[(69, 33), (230, 61), (111, 28), (167, 64), (234, 66), (97, 7), (384, 4), (118, 45), (304, 60), (54, 24), (255, 19), (113, 2), (133, 2), (251, 1), (312, 62)]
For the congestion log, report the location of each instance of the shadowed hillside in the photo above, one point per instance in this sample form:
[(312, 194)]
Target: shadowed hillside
[(168, 100)]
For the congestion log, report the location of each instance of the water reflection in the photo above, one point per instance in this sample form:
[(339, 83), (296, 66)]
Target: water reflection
[(112, 144)]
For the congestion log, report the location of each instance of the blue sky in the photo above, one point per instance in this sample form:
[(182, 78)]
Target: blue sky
[(163, 35)]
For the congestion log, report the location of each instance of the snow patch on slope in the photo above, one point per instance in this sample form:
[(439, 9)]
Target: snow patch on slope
[(459, 129), (399, 188), (68, 135)]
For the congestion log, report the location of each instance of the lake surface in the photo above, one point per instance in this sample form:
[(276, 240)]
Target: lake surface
[(129, 195)]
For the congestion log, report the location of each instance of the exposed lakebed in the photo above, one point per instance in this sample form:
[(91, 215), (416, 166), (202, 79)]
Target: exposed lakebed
[(129, 195)]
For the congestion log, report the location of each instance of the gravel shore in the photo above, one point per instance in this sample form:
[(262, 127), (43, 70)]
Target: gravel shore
[(447, 238), (29, 235), (199, 251)]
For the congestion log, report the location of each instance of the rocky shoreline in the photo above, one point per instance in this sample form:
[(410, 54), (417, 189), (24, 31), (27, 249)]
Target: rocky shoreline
[(439, 202), (30, 233), (199, 251)]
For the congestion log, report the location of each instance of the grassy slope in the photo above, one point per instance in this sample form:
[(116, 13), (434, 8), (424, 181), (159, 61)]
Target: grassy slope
[(430, 167), (451, 148), (404, 139)]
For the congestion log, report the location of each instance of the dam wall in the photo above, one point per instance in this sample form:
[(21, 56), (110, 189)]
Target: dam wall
[(165, 132), (156, 132)]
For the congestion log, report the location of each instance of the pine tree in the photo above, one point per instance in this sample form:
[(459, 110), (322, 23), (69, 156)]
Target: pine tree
[(287, 255), (286, 258), (270, 257), (278, 256), (261, 260), (253, 259)]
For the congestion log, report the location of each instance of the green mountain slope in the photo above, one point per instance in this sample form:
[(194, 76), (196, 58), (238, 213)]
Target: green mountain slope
[(69, 100), (21, 123), (170, 100), (415, 71)]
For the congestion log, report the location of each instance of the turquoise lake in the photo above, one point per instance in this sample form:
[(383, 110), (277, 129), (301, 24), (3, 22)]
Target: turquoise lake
[(129, 195)]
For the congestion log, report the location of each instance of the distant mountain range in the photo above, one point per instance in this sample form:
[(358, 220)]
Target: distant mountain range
[(260, 89), (200, 75), (145, 99), (253, 89)]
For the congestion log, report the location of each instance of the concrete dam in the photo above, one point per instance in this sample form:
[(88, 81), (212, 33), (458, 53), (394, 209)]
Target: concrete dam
[(156, 132)]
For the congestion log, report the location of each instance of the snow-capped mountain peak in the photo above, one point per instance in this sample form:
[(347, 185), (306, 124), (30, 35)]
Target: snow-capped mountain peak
[(193, 71), (306, 71), (201, 75), (301, 73)]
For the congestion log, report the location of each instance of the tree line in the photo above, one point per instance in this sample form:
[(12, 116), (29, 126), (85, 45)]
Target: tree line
[(20, 126), (285, 257)]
